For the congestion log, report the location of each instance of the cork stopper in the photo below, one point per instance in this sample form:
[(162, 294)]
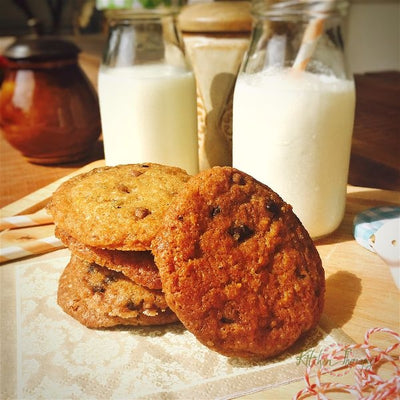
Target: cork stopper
[(217, 16)]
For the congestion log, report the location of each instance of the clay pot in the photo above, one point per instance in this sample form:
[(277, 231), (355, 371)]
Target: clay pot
[(49, 110)]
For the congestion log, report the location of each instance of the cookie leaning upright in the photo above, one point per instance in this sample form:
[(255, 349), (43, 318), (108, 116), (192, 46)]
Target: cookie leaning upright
[(237, 266), (116, 207)]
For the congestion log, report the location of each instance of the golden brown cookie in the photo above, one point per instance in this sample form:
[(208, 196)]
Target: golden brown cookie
[(116, 207), (237, 266), (139, 266), (98, 297)]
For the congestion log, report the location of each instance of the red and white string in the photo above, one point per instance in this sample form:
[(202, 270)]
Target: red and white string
[(368, 384)]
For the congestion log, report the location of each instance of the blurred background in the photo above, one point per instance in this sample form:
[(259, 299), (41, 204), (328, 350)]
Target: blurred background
[(49, 16), (372, 33)]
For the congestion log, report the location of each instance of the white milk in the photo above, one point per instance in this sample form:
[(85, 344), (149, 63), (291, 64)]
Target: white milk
[(293, 133), (149, 114)]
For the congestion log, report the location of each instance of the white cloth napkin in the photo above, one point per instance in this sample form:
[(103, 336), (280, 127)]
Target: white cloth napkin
[(58, 358)]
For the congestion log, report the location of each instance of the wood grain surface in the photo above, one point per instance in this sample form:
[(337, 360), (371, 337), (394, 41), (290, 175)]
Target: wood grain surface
[(375, 156)]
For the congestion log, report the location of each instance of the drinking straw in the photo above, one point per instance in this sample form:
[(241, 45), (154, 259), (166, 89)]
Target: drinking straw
[(311, 35), (27, 235), (19, 221), (27, 248)]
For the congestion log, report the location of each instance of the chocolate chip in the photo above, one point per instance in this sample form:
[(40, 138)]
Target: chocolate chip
[(92, 268), (122, 188), (225, 320), (230, 313), (240, 233), (145, 166), (299, 273), (215, 211), (136, 173), (131, 306), (142, 212), (98, 289), (272, 207), (238, 179), (117, 203)]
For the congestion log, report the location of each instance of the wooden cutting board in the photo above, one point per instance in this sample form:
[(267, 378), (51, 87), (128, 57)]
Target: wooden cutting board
[(37, 200)]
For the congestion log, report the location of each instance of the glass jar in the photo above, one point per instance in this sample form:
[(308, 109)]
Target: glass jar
[(216, 35), (49, 110), (293, 108), (147, 91)]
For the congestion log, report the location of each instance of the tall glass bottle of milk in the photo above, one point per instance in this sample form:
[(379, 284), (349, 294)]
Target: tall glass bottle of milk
[(293, 108), (147, 90)]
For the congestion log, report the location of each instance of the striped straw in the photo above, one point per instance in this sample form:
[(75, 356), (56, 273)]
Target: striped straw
[(311, 35), (26, 242), (20, 221), (30, 248)]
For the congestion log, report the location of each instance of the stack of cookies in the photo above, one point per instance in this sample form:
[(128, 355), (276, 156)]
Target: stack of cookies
[(219, 251), (108, 219)]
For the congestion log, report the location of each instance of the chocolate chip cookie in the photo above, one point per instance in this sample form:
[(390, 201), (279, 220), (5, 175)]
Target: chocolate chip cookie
[(116, 207), (139, 266), (98, 297), (237, 266)]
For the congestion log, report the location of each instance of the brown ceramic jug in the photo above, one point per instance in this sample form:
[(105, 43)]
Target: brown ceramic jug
[(49, 110)]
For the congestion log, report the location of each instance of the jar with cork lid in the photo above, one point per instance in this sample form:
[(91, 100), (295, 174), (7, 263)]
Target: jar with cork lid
[(216, 36)]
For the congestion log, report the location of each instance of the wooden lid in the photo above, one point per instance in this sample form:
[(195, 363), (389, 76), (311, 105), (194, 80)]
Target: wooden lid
[(217, 16)]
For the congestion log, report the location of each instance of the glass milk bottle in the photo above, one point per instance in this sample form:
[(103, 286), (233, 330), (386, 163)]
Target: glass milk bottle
[(147, 91), (293, 108)]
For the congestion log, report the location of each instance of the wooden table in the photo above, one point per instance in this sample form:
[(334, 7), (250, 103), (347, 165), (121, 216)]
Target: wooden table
[(375, 149), (375, 156)]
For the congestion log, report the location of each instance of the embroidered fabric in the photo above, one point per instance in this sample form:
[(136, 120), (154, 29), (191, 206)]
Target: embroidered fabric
[(47, 354)]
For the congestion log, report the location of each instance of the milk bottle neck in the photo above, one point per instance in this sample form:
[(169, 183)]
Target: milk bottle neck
[(299, 9), (299, 35), (145, 37)]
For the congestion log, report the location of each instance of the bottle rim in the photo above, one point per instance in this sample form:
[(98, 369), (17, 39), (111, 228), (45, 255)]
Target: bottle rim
[(299, 8)]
